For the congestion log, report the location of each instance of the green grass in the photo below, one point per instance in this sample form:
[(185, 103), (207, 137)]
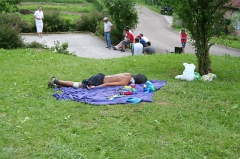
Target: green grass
[(187, 119), (78, 8), (56, 1), (230, 41)]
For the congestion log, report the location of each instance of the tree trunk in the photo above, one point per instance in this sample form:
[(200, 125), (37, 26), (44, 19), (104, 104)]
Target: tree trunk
[(204, 63)]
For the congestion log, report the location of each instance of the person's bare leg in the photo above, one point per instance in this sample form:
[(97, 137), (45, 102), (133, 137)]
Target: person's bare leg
[(123, 47), (183, 50), (67, 83), (119, 45)]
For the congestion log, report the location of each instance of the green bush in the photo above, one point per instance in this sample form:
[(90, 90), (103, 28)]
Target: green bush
[(123, 14), (53, 22), (61, 48), (89, 22), (36, 44), (27, 27), (15, 18), (9, 37)]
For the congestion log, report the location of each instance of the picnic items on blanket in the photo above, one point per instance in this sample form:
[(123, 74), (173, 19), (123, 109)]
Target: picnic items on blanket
[(129, 90), (188, 73), (209, 77), (100, 96), (148, 87), (133, 100)]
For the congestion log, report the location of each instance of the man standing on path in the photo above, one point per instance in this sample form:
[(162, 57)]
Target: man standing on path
[(38, 15), (108, 26)]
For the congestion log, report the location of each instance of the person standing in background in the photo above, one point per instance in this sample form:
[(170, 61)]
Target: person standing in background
[(108, 26), (183, 37), (38, 15)]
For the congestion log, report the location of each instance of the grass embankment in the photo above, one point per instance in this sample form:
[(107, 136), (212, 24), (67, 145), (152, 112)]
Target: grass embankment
[(67, 11), (187, 120)]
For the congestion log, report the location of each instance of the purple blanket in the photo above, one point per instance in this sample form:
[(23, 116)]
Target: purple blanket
[(98, 96)]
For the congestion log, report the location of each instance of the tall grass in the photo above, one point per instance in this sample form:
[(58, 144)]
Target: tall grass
[(56, 1), (60, 7), (187, 119)]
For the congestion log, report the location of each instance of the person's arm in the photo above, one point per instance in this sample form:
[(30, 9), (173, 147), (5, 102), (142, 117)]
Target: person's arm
[(120, 83), (112, 26), (132, 49)]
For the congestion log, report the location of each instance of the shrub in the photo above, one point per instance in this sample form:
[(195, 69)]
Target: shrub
[(124, 13), (89, 22), (54, 23), (61, 48), (9, 37), (36, 44)]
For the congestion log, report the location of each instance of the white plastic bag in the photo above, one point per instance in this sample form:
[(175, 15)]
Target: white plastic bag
[(188, 73)]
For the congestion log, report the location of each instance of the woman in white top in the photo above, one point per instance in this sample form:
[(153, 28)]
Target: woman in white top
[(38, 15)]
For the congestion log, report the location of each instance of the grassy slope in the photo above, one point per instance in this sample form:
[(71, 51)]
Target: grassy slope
[(187, 120)]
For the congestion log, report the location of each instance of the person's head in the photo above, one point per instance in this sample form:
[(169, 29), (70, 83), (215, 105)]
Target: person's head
[(105, 19), (126, 29), (40, 8), (139, 36), (137, 40), (148, 43), (183, 30), (139, 78)]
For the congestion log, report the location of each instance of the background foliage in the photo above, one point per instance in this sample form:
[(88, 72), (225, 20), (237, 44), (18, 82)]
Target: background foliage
[(123, 13), (9, 6)]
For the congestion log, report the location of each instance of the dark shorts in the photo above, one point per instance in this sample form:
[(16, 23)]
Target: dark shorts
[(95, 80), (126, 42)]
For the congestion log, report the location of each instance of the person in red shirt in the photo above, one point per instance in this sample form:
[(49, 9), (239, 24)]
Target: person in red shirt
[(183, 37), (129, 38)]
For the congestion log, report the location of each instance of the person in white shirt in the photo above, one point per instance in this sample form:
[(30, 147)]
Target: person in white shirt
[(144, 38), (108, 26), (38, 15), (137, 48)]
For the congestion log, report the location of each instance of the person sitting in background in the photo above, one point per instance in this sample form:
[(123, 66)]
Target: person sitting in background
[(137, 48), (141, 40), (149, 49), (125, 33), (144, 37), (129, 39), (100, 80)]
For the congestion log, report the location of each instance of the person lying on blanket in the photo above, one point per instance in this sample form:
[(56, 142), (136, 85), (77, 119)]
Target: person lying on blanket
[(100, 80)]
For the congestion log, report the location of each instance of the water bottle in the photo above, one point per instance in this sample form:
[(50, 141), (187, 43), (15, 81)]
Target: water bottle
[(145, 88)]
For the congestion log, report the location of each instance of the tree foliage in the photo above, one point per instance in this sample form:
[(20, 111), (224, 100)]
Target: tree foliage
[(123, 13), (9, 6), (201, 18)]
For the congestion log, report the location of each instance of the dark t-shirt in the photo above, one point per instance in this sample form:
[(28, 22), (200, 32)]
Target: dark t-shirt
[(150, 50)]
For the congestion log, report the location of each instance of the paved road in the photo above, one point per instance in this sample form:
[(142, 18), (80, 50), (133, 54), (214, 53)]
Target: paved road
[(83, 45), (157, 28)]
